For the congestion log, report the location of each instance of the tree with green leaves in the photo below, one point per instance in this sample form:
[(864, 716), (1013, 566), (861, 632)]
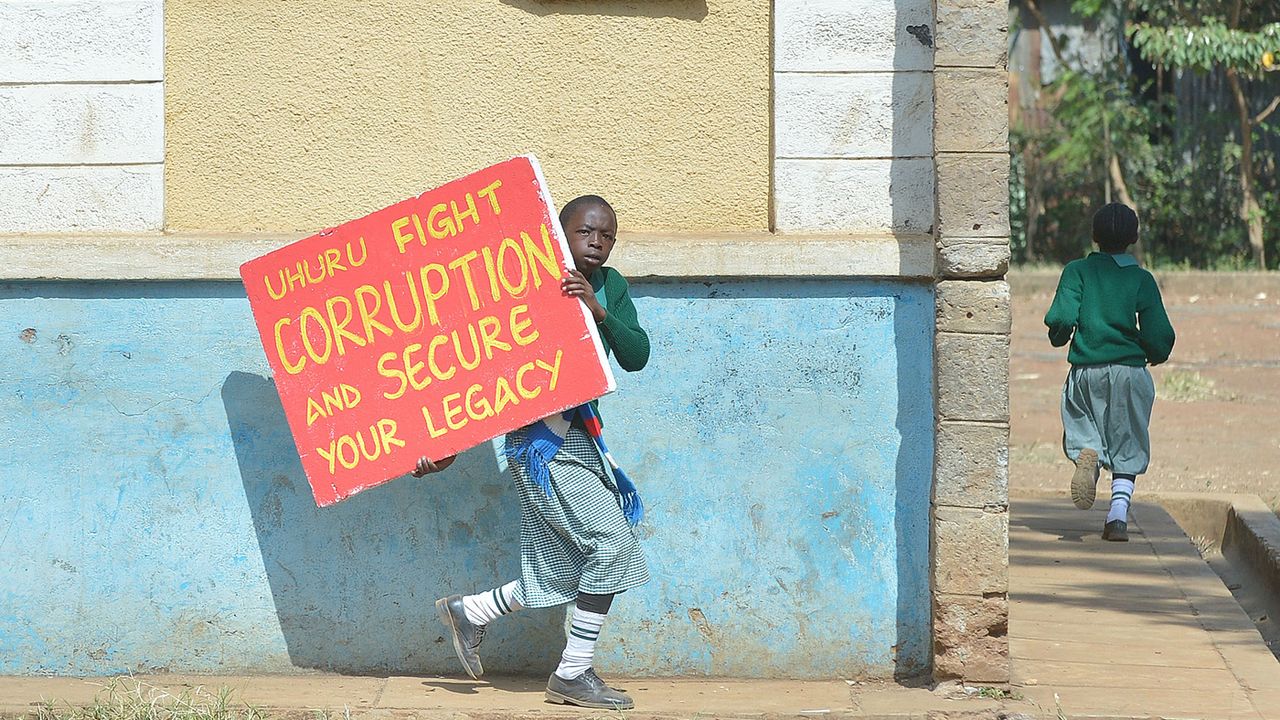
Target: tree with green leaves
[(1240, 39)]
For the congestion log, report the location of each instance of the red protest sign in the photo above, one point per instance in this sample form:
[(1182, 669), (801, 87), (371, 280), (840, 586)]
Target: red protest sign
[(424, 328)]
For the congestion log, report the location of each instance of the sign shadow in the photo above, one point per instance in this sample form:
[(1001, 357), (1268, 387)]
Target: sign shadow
[(354, 584)]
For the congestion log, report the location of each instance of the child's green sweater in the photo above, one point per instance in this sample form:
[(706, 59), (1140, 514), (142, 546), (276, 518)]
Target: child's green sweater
[(621, 329), (620, 332), (1110, 310)]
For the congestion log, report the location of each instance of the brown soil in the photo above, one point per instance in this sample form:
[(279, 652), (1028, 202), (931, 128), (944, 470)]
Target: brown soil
[(1217, 413)]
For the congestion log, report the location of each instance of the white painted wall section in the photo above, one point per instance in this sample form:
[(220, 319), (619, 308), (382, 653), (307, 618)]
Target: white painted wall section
[(81, 40), (854, 196), (853, 116), (871, 115), (76, 199), (81, 116), (75, 124), (851, 35)]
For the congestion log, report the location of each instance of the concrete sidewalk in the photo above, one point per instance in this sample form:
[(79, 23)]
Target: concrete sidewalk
[(1102, 630), (1137, 629)]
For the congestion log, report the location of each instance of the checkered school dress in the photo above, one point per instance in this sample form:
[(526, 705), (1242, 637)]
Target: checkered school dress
[(577, 539)]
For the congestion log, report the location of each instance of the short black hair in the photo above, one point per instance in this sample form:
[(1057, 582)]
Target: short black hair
[(572, 206), (1115, 227)]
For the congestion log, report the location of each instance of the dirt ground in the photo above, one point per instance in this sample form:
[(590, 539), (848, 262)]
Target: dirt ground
[(1216, 425)]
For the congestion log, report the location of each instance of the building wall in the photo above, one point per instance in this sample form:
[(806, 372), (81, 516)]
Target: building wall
[(343, 108), (156, 516), (784, 437)]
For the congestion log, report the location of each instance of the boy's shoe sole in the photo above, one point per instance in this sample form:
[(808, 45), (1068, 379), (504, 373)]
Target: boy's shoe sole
[(1084, 483)]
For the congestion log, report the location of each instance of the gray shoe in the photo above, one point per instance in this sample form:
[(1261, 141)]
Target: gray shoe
[(588, 691), (1084, 483), (466, 634), (1116, 531)]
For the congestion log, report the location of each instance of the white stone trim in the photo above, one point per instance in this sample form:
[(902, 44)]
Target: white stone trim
[(81, 40), (82, 124), (868, 115), (859, 35), (218, 257), (854, 196), (78, 199)]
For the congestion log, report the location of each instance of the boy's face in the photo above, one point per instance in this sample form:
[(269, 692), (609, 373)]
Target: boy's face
[(591, 231)]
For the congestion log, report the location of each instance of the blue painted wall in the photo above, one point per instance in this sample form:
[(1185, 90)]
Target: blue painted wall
[(154, 516)]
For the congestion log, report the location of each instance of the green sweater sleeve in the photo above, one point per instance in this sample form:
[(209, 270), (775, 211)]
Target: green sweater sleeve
[(621, 327), (1155, 332), (1064, 313)]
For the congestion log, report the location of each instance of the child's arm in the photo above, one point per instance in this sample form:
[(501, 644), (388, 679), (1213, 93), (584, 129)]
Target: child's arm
[(1155, 332), (621, 327), (1064, 313)]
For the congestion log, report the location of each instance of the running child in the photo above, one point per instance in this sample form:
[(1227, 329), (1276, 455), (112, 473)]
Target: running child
[(1109, 309), (576, 541)]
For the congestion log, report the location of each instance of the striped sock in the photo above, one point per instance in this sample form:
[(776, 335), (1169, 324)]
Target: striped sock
[(490, 604), (584, 630), (1121, 496)]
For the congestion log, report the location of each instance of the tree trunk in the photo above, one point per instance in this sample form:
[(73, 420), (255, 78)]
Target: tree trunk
[(1250, 211)]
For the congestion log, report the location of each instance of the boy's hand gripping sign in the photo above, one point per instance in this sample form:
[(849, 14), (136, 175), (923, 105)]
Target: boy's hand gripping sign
[(425, 328)]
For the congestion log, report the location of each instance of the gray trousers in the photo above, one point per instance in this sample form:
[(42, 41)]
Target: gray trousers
[(1108, 408)]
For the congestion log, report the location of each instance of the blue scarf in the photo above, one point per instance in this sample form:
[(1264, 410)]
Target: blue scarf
[(543, 439)]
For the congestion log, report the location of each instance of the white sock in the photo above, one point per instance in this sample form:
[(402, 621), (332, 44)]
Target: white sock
[(1121, 496), (584, 630), (490, 604)]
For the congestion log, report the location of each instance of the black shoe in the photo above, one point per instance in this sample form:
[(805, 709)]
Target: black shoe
[(588, 691), (466, 634), (1084, 482), (1116, 531)]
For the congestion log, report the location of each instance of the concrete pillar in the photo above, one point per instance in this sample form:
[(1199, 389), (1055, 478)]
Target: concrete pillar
[(971, 463)]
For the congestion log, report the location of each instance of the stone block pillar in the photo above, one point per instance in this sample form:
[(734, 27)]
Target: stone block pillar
[(971, 464)]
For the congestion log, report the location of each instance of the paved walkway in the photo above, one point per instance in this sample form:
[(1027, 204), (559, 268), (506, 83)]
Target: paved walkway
[(1097, 630), (1138, 629)]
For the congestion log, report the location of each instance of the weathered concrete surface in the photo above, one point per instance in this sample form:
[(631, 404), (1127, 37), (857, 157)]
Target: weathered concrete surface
[(970, 113), (972, 465), (1141, 628), (973, 377), (972, 33), (974, 307), (782, 438)]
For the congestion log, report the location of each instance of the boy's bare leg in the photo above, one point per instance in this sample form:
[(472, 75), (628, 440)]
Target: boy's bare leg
[(1084, 483)]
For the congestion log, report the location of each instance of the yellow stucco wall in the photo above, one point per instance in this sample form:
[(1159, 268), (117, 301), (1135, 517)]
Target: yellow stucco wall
[(291, 116)]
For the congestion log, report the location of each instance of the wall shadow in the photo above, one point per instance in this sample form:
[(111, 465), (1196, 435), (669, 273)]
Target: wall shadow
[(694, 10), (913, 659), (354, 584)]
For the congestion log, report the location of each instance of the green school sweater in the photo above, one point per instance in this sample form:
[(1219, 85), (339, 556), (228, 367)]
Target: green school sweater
[(620, 332), (1109, 309)]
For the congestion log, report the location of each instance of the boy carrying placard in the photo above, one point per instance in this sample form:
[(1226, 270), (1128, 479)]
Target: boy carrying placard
[(576, 538)]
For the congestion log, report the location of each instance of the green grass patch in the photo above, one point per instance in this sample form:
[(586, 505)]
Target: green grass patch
[(1185, 386)]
